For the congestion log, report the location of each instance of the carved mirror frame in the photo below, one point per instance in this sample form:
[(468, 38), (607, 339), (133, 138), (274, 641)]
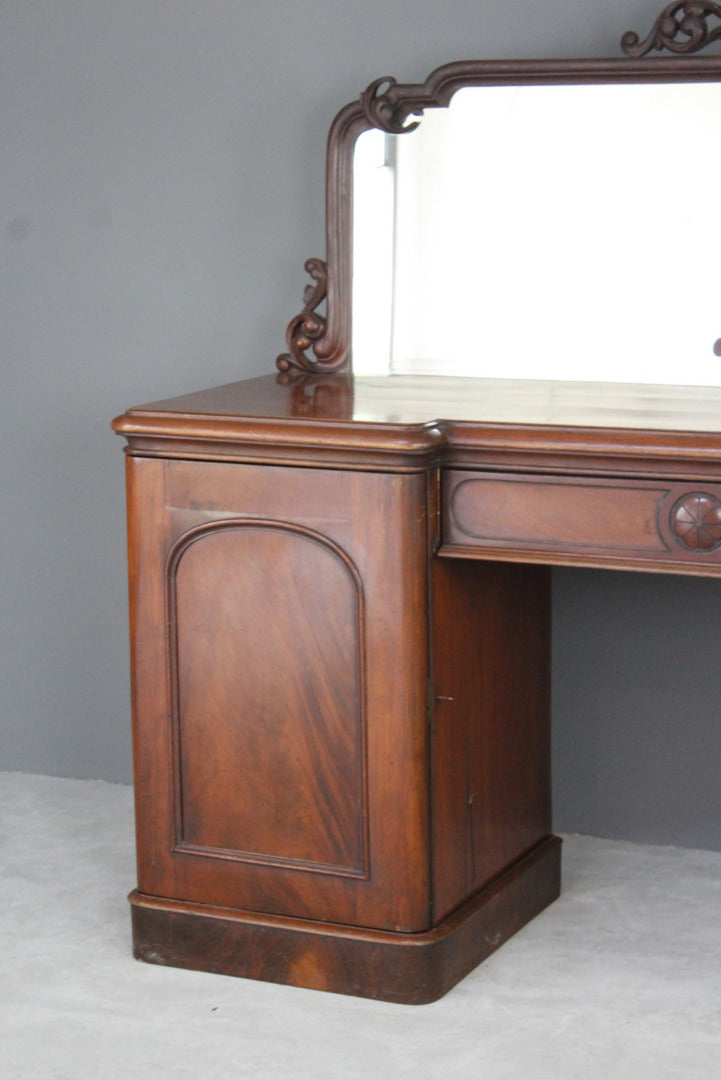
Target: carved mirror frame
[(318, 343)]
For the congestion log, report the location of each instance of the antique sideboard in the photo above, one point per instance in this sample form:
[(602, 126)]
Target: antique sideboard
[(340, 625)]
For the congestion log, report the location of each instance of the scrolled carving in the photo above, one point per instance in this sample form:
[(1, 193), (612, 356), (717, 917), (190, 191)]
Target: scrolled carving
[(308, 326), (322, 343), (696, 521), (682, 27), (383, 108)]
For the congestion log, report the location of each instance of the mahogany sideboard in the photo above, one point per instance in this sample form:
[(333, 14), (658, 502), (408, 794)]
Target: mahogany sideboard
[(340, 626)]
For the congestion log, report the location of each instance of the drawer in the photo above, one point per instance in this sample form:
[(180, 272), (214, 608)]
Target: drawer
[(597, 522)]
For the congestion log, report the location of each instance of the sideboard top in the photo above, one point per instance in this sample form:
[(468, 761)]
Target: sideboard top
[(452, 420), (411, 400)]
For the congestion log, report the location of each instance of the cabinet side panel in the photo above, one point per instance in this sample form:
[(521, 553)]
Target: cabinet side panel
[(266, 674), (152, 747), (491, 733)]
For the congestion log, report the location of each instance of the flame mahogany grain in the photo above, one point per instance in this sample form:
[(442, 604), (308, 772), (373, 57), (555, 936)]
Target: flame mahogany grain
[(340, 613)]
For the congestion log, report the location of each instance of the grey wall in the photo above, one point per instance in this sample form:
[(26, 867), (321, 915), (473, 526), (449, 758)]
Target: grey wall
[(161, 186)]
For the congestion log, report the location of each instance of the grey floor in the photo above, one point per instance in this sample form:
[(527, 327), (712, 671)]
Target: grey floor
[(621, 978)]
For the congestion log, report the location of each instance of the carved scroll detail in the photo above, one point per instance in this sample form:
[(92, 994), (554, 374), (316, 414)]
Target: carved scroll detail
[(307, 327), (319, 344), (682, 27), (383, 109), (385, 105)]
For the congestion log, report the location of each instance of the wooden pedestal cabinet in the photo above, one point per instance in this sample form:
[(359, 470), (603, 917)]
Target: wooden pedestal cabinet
[(341, 739), (339, 584)]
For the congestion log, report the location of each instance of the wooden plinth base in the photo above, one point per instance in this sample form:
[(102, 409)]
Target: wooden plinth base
[(409, 968)]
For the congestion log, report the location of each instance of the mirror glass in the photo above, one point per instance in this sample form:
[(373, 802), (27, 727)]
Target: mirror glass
[(565, 232)]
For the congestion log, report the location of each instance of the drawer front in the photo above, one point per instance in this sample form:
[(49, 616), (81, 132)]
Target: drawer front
[(596, 522)]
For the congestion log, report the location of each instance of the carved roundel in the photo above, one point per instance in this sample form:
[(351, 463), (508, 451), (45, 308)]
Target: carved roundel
[(696, 521)]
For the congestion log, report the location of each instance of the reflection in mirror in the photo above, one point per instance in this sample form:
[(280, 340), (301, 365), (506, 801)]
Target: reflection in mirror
[(545, 232)]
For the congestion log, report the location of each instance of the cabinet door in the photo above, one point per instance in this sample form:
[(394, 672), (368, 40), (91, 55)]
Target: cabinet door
[(280, 671)]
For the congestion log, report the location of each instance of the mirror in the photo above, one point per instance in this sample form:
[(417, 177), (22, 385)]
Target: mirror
[(550, 220), (562, 232)]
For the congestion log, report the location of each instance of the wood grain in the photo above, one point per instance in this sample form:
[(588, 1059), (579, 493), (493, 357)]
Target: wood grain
[(491, 728), (268, 709), (590, 521), (412, 969), (407, 422), (280, 668)]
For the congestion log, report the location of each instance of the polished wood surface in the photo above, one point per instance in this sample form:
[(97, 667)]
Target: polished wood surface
[(490, 752), (589, 521), (340, 655), (412, 400), (404, 422), (280, 660), (282, 690), (340, 617), (412, 969)]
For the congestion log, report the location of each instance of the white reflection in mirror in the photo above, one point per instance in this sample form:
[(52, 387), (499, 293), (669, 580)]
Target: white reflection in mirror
[(374, 177), (545, 232)]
